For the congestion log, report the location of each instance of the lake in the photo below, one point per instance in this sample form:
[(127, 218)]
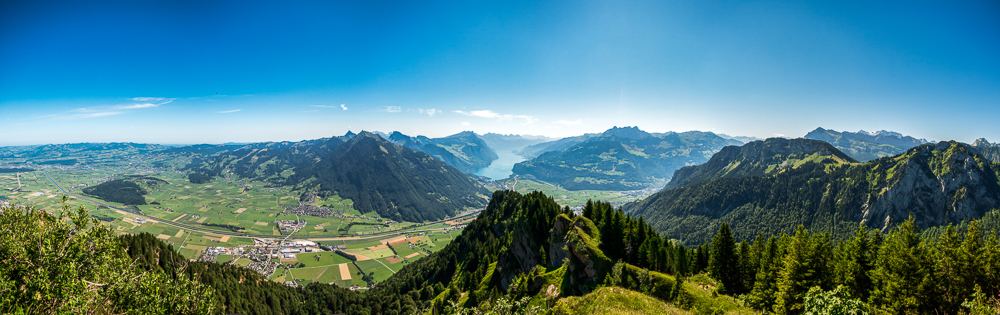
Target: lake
[(502, 167)]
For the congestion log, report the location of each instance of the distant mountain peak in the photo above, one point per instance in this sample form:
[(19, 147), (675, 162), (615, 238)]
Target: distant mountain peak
[(627, 132), (983, 143), (867, 145)]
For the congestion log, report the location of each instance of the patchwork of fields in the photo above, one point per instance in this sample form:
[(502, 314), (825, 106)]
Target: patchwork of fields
[(244, 207)]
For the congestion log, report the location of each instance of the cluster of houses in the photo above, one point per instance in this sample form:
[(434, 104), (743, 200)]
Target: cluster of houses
[(312, 210), (290, 225)]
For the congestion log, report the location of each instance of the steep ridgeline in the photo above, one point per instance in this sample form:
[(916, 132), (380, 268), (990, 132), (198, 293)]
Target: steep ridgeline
[(759, 158), (394, 181), (560, 145), (271, 161), (465, 151), (937, 184), (526, 246), (501, 142), (623, 159), (989, 150), (865, 145)]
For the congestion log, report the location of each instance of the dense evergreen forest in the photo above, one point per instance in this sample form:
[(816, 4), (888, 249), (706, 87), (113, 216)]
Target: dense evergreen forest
[(521, 248), (16, 170), (937, 184), (128, 191), (199, 178)]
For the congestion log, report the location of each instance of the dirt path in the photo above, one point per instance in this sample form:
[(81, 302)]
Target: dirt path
[(321, 273)]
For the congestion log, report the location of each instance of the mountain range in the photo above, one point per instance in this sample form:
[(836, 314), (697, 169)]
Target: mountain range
[(391, 180), (465, 150), (865, 145), (620, 158), (814, 185)]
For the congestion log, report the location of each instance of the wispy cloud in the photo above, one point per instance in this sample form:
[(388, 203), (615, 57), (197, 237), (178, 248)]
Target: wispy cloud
[(342, 106), (111, 110), (465, 124), (229, 111), (393, 109), (428, 112), (491, 114), (570, 123)]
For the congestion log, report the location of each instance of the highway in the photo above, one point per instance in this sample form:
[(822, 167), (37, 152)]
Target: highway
[(244, 235)]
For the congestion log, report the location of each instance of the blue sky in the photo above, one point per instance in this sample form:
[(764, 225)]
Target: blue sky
[(242, 71)]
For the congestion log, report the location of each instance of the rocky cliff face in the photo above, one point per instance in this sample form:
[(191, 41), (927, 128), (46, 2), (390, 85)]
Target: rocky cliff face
[(759, 158), (936, 184), (572, 244)]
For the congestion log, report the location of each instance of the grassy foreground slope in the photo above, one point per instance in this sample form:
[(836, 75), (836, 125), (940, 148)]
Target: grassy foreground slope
[(614, 300)]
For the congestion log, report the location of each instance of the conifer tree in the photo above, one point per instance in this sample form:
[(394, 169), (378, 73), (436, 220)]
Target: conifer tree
[(723, 263), (904, 281), (805, 266), (855, 258)]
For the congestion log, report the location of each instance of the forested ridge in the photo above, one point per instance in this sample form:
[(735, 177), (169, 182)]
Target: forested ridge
[(128, 190), (377, 175), (465, 150), (526, 248), (937, 184)]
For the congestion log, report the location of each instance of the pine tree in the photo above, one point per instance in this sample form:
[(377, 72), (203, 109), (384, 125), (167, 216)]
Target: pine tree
[(805, 266), (855, 258), (765, 284), (904, 273), (723, 263)]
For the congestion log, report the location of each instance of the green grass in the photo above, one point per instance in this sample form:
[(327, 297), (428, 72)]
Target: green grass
[(223, 258), (326, 259), (615, 300)]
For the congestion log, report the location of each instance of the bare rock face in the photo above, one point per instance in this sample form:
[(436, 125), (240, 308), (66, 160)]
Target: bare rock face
[(522, 257), (936, 185), (557, 241)]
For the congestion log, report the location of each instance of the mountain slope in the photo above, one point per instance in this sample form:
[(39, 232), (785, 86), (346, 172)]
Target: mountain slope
[(270, 161), (379, 176), (465, 151), (990, 150), (537, 149), (864, 145), (501, 142), (394, 181), (759, 158), (622, 159), (935, 183)]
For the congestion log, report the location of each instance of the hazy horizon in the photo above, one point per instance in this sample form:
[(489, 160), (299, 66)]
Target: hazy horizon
[(187, 73)]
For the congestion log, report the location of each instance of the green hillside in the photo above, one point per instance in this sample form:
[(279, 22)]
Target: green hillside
[(760, 158), (622, 159), (377, 175), (465, 151), (937, 184)]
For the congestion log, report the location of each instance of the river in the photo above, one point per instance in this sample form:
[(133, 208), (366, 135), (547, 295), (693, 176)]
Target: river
[(502, 167)]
